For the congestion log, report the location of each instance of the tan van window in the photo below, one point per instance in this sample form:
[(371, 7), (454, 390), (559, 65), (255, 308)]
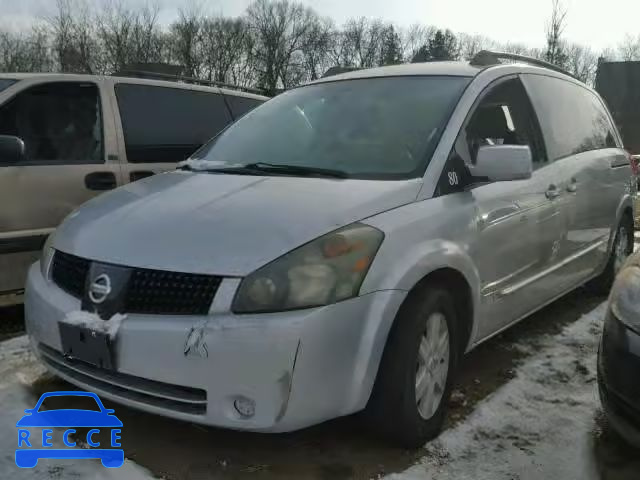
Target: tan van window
[(60, 123)]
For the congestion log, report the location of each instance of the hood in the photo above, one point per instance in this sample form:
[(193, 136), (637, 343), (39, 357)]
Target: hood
[(219, 224)]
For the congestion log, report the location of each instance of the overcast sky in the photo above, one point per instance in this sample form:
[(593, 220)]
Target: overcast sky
[(597, 23)]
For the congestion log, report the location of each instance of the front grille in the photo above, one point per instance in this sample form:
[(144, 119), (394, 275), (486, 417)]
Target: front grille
[(69, 273), (159, 292), (158, 394), (155, 292)]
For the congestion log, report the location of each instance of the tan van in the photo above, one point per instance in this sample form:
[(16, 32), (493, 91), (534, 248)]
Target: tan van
[(66, 138)]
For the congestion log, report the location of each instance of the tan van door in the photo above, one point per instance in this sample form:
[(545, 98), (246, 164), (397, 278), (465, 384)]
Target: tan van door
[(67, 141)]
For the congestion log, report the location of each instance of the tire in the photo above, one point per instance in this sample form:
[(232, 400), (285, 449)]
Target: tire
[(620, 250), (394, 410)]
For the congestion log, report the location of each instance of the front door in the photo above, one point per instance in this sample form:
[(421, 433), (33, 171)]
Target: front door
[(62, 126), (518, 222)]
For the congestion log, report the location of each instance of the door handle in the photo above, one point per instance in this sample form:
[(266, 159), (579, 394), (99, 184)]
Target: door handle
[(100, 181), (552, 192), (573, 186)]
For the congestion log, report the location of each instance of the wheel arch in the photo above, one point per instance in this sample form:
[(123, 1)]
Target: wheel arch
[(454, 281), (625, 208), (405, 271)]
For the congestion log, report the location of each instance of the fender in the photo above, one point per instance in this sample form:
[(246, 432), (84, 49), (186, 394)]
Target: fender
[(401, 275)]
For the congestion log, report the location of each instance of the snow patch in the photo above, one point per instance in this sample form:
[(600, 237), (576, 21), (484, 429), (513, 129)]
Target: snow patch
[(546, 413), (199, 164), (19, 370), (95, 323)]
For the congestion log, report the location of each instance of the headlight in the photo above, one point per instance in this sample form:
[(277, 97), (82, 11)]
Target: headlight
[(46, 256), (625, 297), (324, 271)]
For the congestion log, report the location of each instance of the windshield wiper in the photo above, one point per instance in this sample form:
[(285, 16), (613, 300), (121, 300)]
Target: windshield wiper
[(224, 170), (263, 168), (301, 170)]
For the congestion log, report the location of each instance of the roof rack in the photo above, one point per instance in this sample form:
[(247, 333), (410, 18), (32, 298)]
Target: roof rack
[(181, 78), (487, 58)]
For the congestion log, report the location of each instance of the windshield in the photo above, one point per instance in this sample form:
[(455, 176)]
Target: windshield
[(6, 83), (382, 128)]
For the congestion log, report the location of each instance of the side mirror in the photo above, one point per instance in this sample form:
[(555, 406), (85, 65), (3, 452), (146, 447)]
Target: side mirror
[(12, 150), (503, 163)]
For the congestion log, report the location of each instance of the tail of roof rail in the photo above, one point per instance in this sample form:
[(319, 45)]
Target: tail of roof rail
[(486, 58), (192, 80)]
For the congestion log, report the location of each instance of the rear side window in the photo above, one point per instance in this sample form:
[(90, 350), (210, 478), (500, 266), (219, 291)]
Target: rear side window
[(163, 124), (241, 105), (572, 118), (6, 83)]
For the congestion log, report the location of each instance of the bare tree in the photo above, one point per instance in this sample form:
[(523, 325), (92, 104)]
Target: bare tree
[(38, 50), (582, 62), (391, 52), (25, 52), (115, 24), (74, 37), (555, 52), (607, 55), (279, 30), (186, 37), (224, 46), (629, 48), (414, 38), (442, 46), (147, 41), (129, 35), (362, 42), (316, 49), (470, 45), (275, 44)]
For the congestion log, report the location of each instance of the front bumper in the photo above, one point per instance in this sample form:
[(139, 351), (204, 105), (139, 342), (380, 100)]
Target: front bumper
[(300, 368), (618, 371)]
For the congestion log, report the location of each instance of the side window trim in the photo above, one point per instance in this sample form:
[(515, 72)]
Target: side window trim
[(612, 123), (101, 114), (542, 144), (225, 97)]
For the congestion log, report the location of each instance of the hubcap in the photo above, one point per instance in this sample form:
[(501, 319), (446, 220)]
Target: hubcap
[(432, 366), (621, 250)]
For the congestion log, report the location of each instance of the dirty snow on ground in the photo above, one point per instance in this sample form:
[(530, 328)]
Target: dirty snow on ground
[(18, 371), (538, 426)]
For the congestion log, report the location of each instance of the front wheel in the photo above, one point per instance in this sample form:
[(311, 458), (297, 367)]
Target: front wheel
[(409, 400)]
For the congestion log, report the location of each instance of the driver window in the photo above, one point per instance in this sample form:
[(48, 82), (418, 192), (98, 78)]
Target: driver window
[(60, 123), (504, 116)]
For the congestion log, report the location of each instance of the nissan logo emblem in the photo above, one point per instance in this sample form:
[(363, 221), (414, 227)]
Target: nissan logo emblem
[(100, 288)]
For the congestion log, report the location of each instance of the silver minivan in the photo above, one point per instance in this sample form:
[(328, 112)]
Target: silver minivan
[(339, 249), (83, 135)]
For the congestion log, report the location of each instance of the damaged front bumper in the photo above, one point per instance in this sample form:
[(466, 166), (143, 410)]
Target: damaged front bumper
[(266, 372)]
